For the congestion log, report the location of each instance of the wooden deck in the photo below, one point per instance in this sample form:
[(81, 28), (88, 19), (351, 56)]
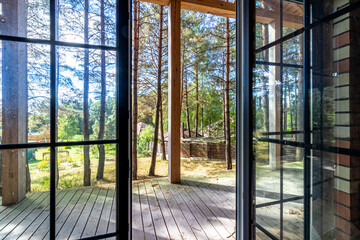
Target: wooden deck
[(192, 210), (80, 213)]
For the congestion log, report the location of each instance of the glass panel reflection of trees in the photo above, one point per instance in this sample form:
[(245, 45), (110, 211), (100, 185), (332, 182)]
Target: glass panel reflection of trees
[(288, 155)]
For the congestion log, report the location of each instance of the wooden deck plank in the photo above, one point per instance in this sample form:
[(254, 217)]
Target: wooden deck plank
[(157, 216), (82, 220), (94, 217), (67, 227), (227, 207), (105, 215), (201, 218), (192, 214), (146, 214), (216, 217), (171, 224), (41, 219), (13, 220), (178, 211), (42, 231), (137, 222), (214, 206), (11, 209), (63, 216), (27, 221), (112, 222), (24, 206), (227, 196)]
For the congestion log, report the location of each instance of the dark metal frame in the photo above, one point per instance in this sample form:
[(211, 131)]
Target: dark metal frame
[(246, 227), (123, 137)]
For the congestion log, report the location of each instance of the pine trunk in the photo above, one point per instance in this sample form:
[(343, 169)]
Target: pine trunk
[(265, 99), (135, 89), (163, 149), (300, 106), (197, 98), (101, 148), (227, 99), (87, 169), (158, 101), (187, 107)]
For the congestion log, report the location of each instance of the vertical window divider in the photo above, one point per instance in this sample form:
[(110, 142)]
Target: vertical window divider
[(281, 124), (307, 141), (53, 101), (123, 119)]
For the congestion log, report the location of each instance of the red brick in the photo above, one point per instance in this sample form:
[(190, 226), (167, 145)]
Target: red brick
[(342, 40), (342, 143), (342, 197), (342, 66), (343, 225), (341, 235), (342, 211), (351, 200), (341, 159), (351, 228)]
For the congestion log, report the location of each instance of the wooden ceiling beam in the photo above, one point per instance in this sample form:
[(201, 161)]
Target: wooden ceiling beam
[(226, 9), (215, 7), (268, 16)]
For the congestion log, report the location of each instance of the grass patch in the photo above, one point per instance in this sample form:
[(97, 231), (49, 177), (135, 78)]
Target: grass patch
[(71, 169)]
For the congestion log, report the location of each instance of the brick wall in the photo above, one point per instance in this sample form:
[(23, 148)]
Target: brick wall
[(346, 47), (206, 151)]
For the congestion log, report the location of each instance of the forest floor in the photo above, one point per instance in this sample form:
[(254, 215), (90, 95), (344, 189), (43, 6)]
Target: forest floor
[(71, 160)]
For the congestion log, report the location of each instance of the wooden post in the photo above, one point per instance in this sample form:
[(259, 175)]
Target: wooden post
[(174, 91), (14, 97)]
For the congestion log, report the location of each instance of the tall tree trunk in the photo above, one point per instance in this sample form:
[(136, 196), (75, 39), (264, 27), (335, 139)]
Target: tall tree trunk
[(300, 106), (87, 169), (227, 99), (265, 99), (223, 95), (101, 147), (163, 149), (135, 88), (291, 111), (187, 106), (285, 107), (158, 101), (197, 98), (182, 80)]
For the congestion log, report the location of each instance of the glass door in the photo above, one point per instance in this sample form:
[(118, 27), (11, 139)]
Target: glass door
[(305, 142), (64, 119)]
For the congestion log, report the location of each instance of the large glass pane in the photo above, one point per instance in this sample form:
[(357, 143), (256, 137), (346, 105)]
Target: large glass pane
[(25, 196), (90, 21), (20, 18), (25, 92), (324, 194), (278, 91), (86, 95), (86, 183), (280, 189)]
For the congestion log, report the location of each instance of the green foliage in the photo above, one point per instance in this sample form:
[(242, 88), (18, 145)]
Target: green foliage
[(68, 127), (144, 138), (43, 164)]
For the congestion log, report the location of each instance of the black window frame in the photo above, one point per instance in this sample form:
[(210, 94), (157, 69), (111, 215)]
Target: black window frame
[(123, 110)]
